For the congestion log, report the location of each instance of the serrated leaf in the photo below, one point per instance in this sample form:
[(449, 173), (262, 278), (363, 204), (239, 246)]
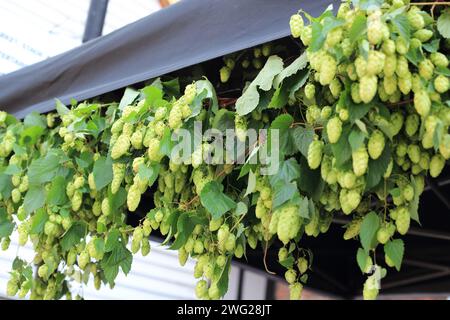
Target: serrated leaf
[(302, 138), (61, 108), (149, 173), (214, 200), (402, 26), (368, 232), (249, 100), (289, 170), (283, 192), (358, 28), (185, 225), (443, 24), (103, 173), (222, 284), (288, 262), (361, 258), (34, 199), (38, 221), (73, 236), (57, 193), (241, 208), (6, 228), (293, 68), (251, 185), (342, 150), (395, 249), (432, 46), (166, 144), (356, 139), (43, 169), (318, 37)]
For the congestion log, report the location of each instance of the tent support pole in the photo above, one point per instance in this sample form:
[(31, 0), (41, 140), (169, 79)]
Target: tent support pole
[(95, 19)]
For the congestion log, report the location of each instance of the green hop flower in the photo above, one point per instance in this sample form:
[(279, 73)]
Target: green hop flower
[(289, 223), (441, 83), (295, 291), (290, 276), (121, 146), (422, 103), (376, 144), (296, 24), (310, 91), (133, 197), (426, 69), (360, 159), (423, 35), (315, 151), (439, 59), (437, 164), (412, 124)]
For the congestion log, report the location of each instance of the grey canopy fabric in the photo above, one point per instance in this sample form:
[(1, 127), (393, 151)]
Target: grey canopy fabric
[(187, 33)]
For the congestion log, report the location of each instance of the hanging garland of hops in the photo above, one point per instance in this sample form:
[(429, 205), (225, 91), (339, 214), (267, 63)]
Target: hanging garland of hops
[(362, 118)]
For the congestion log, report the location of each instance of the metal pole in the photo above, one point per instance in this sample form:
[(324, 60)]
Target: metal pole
[(95, 19), (434, 187)]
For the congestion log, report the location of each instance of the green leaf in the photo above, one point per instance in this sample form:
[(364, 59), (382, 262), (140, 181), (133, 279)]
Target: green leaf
[(61, 108), (102, 171), (34, 199), (282, 122), (149, 173), (185, 225), (402, 26), (443, 24), (432, 46), (251, 185), (152, 94), (289, 170), (38, 221), (214, 200), (302, 138), (73, 236), (361, 258), (368, 233), (443, 71), (358, 28), (342, 150), (415, 55), (222, 284), (309, 179), (356, 139), (249, 100), (128, 97), (223, 120), (85, 159), (30, 135), (368, 4), (57, 193), (43, 169), (394, 249), (283, 192), (166, 144), (112, 240), (6, 228), (318, 37), (119, 256), (206, 87), (377, 168), (35, 119), (12, 169), (241, 208), (298, 64), (288, 262)]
